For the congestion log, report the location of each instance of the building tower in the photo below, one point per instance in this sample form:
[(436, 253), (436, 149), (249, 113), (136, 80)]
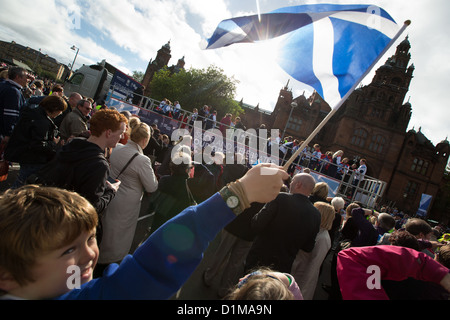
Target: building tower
[(162, 59), (372, 123)]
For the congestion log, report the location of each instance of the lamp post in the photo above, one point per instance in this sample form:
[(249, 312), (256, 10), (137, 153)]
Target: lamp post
[(76, 55), (37, 57), (293, 105)]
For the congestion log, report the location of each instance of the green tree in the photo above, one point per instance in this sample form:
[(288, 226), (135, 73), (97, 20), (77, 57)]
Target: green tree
[(195, 88), (138, 76)]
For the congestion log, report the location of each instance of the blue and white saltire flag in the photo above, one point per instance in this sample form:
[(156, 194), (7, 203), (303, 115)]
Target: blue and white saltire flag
[(328, 47)]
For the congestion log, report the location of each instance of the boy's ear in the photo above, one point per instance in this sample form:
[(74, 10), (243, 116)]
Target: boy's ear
[(7, 281)]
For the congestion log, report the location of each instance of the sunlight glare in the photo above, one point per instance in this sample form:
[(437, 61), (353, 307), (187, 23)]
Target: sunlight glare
[(258, 10)]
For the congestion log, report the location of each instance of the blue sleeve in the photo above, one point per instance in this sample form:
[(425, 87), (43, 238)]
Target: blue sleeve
[(163, 263)]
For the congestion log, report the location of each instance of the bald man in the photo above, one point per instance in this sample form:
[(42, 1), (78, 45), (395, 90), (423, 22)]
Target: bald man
[(284, 226), (72, 102)]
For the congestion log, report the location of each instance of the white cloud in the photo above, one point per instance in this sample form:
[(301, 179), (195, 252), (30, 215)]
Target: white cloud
[(430, 49), (128, 33)]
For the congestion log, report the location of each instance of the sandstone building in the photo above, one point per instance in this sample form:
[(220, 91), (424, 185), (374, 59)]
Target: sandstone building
[(372, 124)]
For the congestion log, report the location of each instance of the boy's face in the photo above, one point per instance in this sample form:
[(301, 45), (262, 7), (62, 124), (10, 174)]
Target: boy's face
[(53, 273)]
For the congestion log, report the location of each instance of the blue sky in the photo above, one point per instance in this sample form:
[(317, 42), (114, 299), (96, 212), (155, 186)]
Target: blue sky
[(128, 33)]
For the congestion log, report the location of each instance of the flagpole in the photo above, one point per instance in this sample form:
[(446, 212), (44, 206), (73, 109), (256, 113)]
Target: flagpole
[(341, 102)]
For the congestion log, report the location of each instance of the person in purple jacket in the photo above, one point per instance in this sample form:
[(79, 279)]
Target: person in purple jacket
[(49, 248)]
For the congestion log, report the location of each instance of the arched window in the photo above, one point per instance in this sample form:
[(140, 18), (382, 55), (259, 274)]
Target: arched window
[(295, 124), (359, 137), (377, 144), (420, 166)]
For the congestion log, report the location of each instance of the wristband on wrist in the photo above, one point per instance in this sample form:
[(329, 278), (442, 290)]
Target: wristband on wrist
[(235, 198), (239, 189)]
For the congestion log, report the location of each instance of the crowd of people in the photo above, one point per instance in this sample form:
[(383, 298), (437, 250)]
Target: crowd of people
[(206, 115), (85, 170), (332, 164)]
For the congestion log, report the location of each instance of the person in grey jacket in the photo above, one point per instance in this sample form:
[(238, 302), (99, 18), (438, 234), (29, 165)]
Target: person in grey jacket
[(76, 122)]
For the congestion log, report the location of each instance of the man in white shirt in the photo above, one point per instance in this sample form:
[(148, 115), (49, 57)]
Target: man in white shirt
[(360, 172)]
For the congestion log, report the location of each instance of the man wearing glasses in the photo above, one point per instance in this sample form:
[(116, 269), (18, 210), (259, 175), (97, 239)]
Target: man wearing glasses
[(76, 122)]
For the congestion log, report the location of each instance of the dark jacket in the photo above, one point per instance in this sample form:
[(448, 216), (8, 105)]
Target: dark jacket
[(170, 199), (59, 119), (232, 172), (164, 168), (363, 231), (32, 139), (349, 230), (153, 147), (210, 122), (80, 166), (284, 226), (332, 169), (202, 185), (11, 102), (137, 95), (314, 199), (34, 102), (240, 125), (241, 227), (217, 171)]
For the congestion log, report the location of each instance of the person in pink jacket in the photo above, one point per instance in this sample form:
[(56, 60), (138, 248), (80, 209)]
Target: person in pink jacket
[(361, 269)]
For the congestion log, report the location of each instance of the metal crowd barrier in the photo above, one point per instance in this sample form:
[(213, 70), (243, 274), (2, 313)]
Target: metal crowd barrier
[(369, 191)]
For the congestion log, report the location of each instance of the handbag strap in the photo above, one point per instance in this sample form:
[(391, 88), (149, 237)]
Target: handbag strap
[(128, 163), (191, 196)]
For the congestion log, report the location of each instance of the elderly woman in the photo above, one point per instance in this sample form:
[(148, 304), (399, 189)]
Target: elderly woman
[(120, 218)]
